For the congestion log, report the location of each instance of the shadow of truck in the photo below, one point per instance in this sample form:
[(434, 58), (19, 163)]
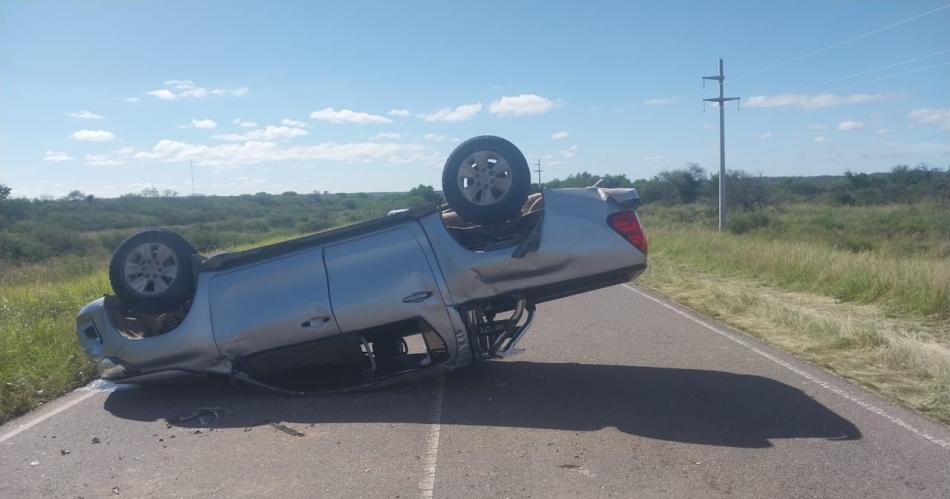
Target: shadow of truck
[(678, 405)]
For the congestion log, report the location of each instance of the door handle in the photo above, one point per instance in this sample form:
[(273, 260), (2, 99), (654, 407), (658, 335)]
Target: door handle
[(316, 321), (417, 297)]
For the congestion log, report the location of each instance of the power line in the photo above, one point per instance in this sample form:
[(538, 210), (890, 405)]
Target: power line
[(888, 77), (882, 68), (844, 42)]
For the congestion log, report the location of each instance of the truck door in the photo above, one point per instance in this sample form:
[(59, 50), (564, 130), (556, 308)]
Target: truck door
[(271, 304), (383, 278)]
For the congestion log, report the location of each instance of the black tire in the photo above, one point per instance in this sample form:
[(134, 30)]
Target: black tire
[(509, 204), (161, 292)]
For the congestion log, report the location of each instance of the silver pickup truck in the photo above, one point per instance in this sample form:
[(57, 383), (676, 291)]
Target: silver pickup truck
[(409, 295)]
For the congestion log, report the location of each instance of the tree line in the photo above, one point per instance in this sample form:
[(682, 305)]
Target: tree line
[(745, 191)]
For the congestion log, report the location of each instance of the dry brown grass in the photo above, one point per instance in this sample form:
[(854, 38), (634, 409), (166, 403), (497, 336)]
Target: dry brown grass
[(907, 358)]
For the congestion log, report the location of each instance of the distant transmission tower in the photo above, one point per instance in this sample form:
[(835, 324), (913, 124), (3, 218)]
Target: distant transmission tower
[(537, 165), (722, 143)]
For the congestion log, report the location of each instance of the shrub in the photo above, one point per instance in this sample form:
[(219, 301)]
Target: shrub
[(743, 222)]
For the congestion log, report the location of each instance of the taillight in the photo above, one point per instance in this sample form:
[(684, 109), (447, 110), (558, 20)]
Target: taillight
[(627, 225)]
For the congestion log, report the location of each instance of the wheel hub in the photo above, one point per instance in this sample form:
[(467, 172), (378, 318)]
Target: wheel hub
[(150, 269), (484, 178)]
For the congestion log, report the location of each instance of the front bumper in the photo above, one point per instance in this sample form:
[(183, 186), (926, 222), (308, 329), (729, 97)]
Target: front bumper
[(188, 349)]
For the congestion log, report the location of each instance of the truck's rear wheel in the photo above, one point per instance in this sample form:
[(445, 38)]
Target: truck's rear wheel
[(486, 180), (152, 271)]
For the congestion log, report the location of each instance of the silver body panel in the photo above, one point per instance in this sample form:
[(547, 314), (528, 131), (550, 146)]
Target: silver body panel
[(575, 242), (413, 269), (383, 278), (281, 295)]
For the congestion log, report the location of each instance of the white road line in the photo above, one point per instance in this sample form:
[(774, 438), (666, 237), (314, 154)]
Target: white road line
[(827, 386), (432, 444), (89, 390)]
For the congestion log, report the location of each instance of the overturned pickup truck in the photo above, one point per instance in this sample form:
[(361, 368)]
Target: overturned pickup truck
[(410, 295)]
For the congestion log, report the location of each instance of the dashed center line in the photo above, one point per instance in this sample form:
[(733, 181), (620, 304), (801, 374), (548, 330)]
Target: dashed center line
[(431, 457)]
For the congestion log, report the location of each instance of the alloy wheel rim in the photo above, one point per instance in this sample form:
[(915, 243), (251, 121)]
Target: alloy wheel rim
[(484, 178), (150, 269)]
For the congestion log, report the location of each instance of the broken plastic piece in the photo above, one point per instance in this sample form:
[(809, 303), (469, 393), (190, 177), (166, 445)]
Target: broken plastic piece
[(288, 430)]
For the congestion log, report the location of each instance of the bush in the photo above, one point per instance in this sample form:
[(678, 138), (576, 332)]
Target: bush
[(17, 248), (743, 222)]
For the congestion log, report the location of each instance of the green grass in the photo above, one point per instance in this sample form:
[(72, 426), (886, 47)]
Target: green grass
[(899, 264), (875, 310), (40, 358)]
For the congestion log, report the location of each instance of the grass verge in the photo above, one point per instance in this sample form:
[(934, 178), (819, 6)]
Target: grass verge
[(907, 359), (40, 358)]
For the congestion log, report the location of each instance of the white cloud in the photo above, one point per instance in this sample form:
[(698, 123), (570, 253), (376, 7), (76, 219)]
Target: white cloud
[(881, 131), (811, 101), (163, 94), (931, 116), (387, 136), (519, 105), (268, 133), (293, 123), (180, 84), (849, 126), (116, 157), (261, 151), (570, 152), (661, 101), (764, 136), (131, 99), (103, 160), (464, 112), (93, 135), (435, 138), (195, 93), (205, 124), (559, 135), (399, 113), (87, 115), (653, 157), (819, 139), (186, 89), (57, 156), (245, 124), (232, 92), (347, 116)]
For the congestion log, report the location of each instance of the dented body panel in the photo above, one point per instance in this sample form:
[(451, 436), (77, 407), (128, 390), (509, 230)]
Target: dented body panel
[(575, 242), (355, 282)]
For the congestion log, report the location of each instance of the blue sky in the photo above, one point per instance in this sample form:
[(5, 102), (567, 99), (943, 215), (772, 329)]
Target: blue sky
[(112, 97)]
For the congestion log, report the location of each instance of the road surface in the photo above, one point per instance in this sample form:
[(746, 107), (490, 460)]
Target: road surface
[(616, 394)]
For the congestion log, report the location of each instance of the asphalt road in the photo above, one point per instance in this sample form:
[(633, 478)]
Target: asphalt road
[(616, 394)]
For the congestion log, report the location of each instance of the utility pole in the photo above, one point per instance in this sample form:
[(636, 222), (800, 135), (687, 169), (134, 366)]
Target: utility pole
[(537, 165), (722, 144), (192, 164)]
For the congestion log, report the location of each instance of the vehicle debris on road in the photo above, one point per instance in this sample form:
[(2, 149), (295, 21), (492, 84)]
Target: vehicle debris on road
[(204, 415), (286, 429)]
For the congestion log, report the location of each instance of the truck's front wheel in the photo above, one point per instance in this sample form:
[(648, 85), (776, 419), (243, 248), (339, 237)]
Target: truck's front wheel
[(152, 271)]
